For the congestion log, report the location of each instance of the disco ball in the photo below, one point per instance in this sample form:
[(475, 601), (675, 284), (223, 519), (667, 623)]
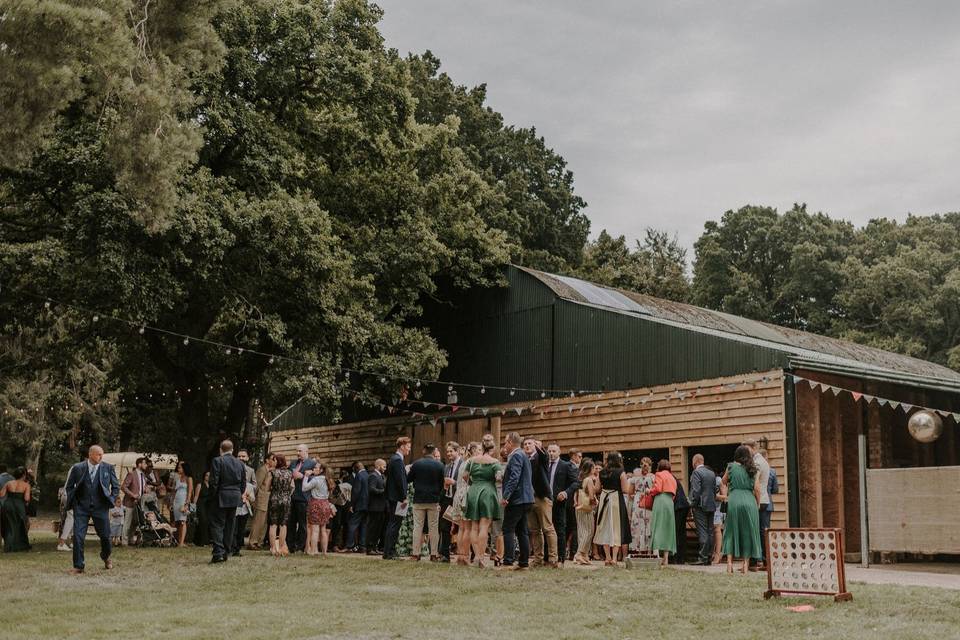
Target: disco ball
[(925, 426)]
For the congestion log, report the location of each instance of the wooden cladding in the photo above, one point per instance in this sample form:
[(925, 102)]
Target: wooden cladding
[(712, 412), (914, 510), (719, 411)]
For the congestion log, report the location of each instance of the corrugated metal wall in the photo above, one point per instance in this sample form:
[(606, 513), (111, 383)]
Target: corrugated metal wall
[(525, 336), (595, 348)]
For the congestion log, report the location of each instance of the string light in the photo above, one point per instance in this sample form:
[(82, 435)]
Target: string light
[(229, 349), (186, 341)]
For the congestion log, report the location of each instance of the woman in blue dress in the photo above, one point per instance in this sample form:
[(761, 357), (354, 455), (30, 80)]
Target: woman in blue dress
[(182, 486)]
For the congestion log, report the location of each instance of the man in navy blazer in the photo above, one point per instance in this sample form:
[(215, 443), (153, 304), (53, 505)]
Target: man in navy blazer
[(228, 480), (517, 498), (359, 499), (396, 492), (92, 488)]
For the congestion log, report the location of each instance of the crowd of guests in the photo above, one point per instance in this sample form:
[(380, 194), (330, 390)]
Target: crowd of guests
[(514, 504)]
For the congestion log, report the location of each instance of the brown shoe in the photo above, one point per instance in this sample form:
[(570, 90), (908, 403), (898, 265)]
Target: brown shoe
[(434, 558), (108, 564), (75, 572), (415, 558), (553, 565)]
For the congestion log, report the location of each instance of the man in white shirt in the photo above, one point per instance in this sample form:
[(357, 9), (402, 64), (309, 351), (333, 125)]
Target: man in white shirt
[(763, 470)]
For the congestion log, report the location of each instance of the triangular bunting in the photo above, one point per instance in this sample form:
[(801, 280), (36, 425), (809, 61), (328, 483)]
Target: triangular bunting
[(883, 402), (484, 411), (813, 384), (433, 422), (856, 396), (944, 414), (472, 410), (454, 407), (906, 407), (956, 417), (894, 404), (836, 390), (869, 398), (519, 410)]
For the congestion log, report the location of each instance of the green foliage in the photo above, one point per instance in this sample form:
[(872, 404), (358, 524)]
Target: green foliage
[(530, 193), (655, 267), (893, 286), (786, 269), (125, 65)]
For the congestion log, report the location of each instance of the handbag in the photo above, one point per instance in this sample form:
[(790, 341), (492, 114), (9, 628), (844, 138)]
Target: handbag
[(646, 502), (723, 507)]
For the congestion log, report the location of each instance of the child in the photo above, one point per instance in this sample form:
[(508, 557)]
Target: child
[(156, 525), (116, 522)]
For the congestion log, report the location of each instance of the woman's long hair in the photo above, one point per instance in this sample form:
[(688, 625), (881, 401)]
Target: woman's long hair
[(744, 458), (586, 468)]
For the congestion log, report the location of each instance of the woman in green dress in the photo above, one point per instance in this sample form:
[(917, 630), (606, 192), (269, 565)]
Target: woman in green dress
[(483, 505), (14, 513), (741, 533)]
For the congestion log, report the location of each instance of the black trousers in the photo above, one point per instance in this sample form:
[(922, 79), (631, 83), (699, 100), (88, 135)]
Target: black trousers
[(375, 523), (297, 526), (571, 527), (680, 518), (560, 526), (356, 529), (764, 525), (101, 522), (240, 530), (392, 532), (445, 528), (515, 533), (222, 523)]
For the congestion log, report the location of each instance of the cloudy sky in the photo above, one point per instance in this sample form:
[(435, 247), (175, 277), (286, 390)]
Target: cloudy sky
[(671, 112)]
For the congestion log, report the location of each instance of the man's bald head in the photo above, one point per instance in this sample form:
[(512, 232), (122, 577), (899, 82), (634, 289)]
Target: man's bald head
[(697, 460), (95, 453)]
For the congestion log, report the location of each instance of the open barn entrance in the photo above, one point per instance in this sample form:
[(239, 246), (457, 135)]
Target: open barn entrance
[(631, 459), (715, 456)]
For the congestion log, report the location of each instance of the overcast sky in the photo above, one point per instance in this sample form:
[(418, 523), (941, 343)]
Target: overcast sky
[(669, 113)]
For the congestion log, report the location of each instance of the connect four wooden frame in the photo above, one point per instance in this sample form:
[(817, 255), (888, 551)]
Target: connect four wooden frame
[(806, 561)]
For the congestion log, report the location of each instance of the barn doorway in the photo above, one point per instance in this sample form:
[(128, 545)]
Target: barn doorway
[(631, 459), (715, 456)]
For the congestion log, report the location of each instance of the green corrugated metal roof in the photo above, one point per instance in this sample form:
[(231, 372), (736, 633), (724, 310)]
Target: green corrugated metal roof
[(805, 349)]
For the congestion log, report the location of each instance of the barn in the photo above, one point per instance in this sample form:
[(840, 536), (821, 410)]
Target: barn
[(602, 369)]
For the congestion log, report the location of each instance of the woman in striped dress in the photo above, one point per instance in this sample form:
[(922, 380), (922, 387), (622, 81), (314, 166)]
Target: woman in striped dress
[(613, 525)]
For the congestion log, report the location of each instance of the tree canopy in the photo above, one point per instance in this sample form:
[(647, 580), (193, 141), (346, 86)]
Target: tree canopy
[(264, 174)]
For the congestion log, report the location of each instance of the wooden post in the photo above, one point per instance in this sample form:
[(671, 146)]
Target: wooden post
[(864, 534)]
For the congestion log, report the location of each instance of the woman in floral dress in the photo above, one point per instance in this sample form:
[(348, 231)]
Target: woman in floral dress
[(640, 518)]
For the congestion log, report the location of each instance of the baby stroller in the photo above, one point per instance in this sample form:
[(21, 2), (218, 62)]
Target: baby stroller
[(153, 528)]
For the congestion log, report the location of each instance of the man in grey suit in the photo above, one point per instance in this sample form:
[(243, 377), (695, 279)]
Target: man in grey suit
[(227, 484), (703, 499)]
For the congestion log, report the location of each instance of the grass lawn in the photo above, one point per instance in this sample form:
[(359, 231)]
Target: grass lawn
[(174, 593)]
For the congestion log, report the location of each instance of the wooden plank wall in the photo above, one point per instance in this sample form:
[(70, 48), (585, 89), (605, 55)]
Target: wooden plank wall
[(914, 510), (340, 445), (827, 430), (711, 414), (716, 415)]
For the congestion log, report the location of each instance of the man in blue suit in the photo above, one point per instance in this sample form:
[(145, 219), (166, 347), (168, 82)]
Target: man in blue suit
[(359, 499), (92, 488), (517, 498), (396, 493)]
